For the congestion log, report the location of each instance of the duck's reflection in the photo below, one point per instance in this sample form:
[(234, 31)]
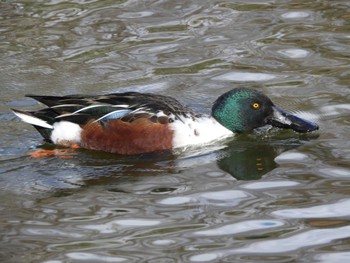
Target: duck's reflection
[(249, 157), (250, 160), (248, 163), (244, 158)]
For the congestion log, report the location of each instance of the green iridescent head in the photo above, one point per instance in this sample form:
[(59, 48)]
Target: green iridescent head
[(242, 109)]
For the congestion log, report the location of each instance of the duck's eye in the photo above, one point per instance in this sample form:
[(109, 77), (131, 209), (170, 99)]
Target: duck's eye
[(256, 105)]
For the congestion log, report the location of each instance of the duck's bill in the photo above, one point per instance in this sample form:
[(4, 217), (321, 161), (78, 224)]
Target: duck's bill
[(285, 120)]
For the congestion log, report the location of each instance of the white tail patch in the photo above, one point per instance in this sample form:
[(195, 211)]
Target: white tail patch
[(32, 120), (65, 133)]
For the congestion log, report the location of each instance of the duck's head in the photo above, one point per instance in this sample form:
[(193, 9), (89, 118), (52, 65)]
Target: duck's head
[(242, 109)]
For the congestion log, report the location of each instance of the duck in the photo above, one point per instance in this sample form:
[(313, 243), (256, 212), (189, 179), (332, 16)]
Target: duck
[(131, 123)]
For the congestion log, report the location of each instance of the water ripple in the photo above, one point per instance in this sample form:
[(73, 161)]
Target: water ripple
[(219, 198), (335, 257), (309, 238), (113, 226), (241, 227), (82, 256), (338, 209), (245, 76), (295, 15), (305, 239)]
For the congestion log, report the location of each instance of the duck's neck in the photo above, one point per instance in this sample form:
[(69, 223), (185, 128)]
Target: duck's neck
[(223, 114)]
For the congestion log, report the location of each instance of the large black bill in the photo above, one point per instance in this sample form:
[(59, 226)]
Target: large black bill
[(282, 119)]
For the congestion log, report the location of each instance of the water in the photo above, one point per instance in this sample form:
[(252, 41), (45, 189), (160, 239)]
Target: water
[(269, 196)]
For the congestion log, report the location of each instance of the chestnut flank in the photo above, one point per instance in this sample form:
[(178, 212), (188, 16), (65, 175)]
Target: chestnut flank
[(139, 136)]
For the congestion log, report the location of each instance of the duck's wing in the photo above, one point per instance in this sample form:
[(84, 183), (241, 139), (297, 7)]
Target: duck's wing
[(128, 107)]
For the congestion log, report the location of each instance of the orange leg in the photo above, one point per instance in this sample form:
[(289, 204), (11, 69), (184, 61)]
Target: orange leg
[(60, 153)]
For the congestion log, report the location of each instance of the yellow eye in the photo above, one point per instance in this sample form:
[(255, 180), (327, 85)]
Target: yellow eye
[(256, 105)]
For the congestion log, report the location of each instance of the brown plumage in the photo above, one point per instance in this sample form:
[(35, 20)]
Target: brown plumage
[(139, 136)]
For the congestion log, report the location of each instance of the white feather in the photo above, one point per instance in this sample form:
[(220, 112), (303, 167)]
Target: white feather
[(64, 105), (77, 111), (88, 107), (66, 132), (121, 106), (200, 131), (32, 120)]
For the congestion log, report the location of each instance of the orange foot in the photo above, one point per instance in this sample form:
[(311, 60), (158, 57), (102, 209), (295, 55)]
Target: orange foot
[(60, 153)]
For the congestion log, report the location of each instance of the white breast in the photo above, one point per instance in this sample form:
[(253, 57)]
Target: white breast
[(200, 131)]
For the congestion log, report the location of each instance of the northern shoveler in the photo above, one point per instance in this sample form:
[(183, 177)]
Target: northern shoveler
[(134, 123)]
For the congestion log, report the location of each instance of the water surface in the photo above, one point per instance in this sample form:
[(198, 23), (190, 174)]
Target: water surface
[(268, 196)]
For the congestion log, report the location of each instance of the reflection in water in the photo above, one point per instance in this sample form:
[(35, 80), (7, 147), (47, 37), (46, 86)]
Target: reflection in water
[(244, 158), (249, 163), (87, 167), (247, 159)]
